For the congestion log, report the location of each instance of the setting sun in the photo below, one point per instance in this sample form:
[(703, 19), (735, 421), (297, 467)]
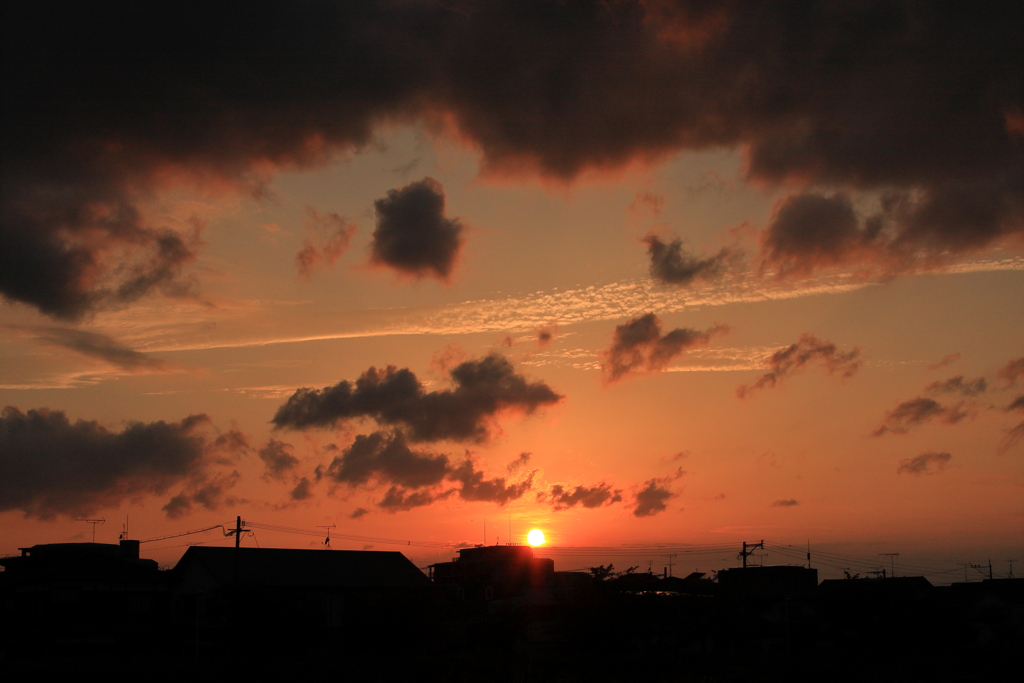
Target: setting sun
[(535, 537)]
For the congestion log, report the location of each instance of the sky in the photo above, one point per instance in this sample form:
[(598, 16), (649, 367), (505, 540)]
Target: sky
[(639, 274)]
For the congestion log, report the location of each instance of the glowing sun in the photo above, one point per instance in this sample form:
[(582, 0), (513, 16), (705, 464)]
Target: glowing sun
[(535, 537)]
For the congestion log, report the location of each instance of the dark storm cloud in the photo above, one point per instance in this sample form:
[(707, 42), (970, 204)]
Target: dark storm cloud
[(1011, 371), (387, 457), (100, 346), (639, 346), (476, 488), (924, 463), (105, 105), (672, 265), (919, 411), (52, 466), (795, 357), (277, 459), (563, 498), (787, 503), (329, 237), (653, 498), (413, 235), (958, 385), (483, 388)]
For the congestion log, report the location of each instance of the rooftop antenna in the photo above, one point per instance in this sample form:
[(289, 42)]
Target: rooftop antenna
[(327, 541), (124, 530), (892, 561), (1010, 575), (94, 522)]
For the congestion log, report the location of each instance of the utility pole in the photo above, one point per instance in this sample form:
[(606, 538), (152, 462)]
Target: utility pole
[(892, 561), (237, 531), (749, 548), (670, 564), (94, 522)]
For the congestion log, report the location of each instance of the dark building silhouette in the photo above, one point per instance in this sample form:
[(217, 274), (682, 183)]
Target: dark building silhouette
[(296, 594), (496, 572), (82, 593)]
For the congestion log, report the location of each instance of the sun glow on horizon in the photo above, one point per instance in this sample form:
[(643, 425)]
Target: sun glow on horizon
[(535, 538)]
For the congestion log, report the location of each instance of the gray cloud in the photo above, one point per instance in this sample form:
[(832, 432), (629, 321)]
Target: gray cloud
[(672, 265), (918, 411), (329, 238), (958, 385), (639, 346), (413, 235), (303, 490), (53, 466), (653, 498), (95, 118), (496, 490), (795, 357), (944, 361), (387, 458), (925, 463), (562, 498), (483, 388), (100, 346), (785, 503), (1011, 371), (278, 459)]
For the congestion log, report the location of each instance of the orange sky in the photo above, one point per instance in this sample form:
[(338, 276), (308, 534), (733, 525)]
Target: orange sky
[(803, 387)]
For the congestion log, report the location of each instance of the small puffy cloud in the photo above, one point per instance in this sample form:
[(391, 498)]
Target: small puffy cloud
[(53, 466), (1011, 371), (278, 459), (958, 385), (562, 497), (926, 463), (545, 335), (358, 513), (652, 498), (919, 411), (413, 235), (209, 493), (672, 265), (518, 463), (476, 488), (329, 236), (387, 457), (482, 389), (785, 503), (812, 230), (639, 346), (303, 490), (795, 357)]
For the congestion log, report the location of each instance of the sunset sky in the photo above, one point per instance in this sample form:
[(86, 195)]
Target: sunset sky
[(632, 273)]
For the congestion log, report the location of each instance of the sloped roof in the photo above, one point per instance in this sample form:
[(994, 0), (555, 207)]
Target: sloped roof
[(285, 567)]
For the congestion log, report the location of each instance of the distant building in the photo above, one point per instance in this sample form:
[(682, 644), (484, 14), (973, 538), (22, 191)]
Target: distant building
[(296, 594), (86, 593), (495, 572), (770, 583)]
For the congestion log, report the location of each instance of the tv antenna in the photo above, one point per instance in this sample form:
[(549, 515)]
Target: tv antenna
[(327, 541), (94, 522), (892, 562)]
